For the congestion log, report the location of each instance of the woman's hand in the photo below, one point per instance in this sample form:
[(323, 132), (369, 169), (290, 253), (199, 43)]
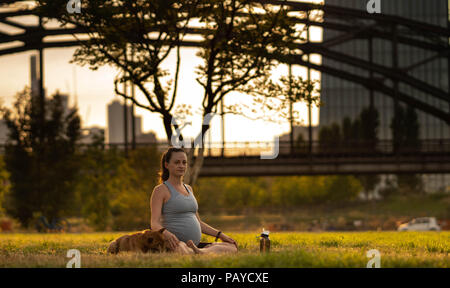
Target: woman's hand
[(226, 238), (171, 239)]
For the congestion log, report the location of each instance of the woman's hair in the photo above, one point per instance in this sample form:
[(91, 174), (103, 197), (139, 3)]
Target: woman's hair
[(164, 172)]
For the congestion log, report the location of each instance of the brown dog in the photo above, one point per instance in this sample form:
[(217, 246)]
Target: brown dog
[(143, 241), (153, 241)]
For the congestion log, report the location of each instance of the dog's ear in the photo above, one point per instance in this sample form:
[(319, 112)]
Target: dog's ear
[(150, 240), (161, 230)]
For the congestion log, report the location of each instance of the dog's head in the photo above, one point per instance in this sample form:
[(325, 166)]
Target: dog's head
[(153, 241)]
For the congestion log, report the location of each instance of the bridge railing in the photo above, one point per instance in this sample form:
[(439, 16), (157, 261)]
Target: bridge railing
[(345, 148), (317, 149)]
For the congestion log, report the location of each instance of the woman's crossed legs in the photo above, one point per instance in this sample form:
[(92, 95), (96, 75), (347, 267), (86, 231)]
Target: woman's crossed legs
[(216, 247), (213, 248)]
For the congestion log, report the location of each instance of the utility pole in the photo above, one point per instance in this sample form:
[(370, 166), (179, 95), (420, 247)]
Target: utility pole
[(41, 86), (125, 118), (223, 126), (291, 112), (308, 37)]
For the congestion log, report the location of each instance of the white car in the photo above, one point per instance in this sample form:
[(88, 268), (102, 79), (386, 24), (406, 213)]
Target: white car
[(420, 224)]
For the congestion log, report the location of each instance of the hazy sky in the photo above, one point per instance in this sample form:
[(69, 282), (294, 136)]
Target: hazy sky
[(95, 89)]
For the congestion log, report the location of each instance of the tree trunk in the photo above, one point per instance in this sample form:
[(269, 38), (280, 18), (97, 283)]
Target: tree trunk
[(195, 166)]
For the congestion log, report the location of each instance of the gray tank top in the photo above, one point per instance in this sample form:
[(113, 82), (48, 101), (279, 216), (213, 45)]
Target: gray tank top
[(179, 215)]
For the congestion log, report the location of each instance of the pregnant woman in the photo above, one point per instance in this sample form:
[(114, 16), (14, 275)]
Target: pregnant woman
[(174, 207)]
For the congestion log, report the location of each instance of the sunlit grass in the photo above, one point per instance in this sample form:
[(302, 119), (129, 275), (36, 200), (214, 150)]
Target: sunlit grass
[(337, 249)]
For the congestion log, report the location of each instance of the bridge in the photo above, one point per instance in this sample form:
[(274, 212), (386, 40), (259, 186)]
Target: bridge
[(357, 158)]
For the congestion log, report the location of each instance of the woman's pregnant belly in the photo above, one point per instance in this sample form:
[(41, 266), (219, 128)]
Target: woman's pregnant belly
[(184, 225)]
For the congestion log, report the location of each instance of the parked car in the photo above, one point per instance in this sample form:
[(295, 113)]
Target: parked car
[(420, 224)]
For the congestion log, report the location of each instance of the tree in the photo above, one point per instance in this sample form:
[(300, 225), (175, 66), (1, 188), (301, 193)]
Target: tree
[(134, 36), (236, 48), (347, 131), (369, 121), (292, 191), (330, 138), (359, 134), (41, 157), (412, 129), (210, 192), (405, 130), (342, 188), (405, 133)]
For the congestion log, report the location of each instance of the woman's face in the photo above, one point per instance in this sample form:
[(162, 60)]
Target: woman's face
[(177, 164)]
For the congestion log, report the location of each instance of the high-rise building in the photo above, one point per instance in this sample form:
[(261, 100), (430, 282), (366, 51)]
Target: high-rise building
[(343, 98), (34, 78), (116, 126)]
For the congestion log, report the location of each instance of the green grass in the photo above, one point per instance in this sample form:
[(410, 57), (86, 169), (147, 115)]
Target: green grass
[(339, 249)]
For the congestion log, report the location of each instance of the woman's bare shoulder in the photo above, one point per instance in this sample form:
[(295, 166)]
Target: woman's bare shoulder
[(160, 189)]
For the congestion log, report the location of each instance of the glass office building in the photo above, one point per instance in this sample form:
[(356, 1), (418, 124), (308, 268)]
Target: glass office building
[(343, 98)]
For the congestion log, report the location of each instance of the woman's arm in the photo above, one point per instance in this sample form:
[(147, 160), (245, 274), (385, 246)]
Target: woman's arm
[(156, 201)]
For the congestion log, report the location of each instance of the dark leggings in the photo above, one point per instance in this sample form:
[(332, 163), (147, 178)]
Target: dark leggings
[(203, 244)]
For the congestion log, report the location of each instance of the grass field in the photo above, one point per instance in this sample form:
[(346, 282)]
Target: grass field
[(337, 249)]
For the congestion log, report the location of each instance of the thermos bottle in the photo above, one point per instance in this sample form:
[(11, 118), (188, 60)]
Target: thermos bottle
[(264, 242)]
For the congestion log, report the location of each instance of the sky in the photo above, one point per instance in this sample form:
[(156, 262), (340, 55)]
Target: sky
[(94, 90)]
